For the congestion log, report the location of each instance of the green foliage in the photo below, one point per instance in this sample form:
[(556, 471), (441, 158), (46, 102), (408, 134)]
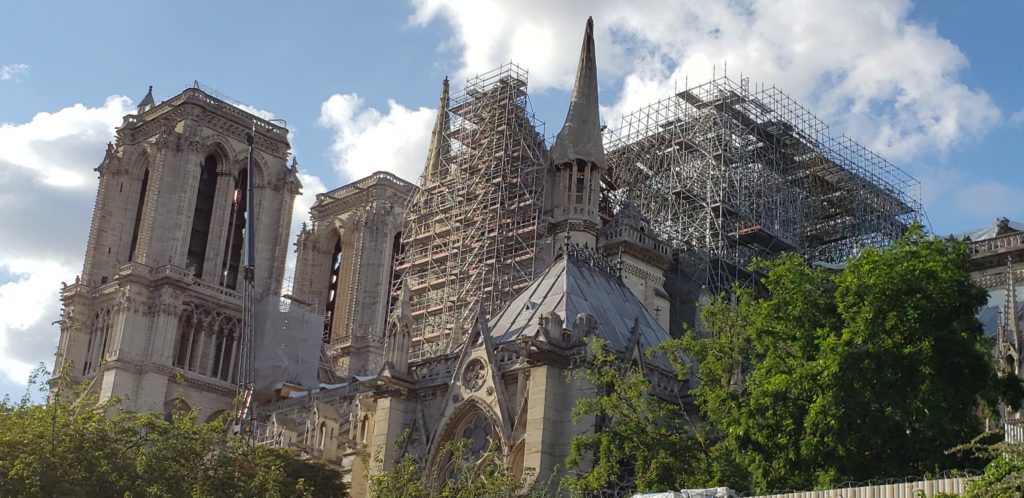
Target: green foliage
[(72, 447), (642, 440), (868, 373), (453, 474), (1004, 476)]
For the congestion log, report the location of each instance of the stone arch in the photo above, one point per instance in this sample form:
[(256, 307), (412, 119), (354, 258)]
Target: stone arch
[(225, 158), (466, 421), (140, 162), (177, 406), (517, 459), (214, 416), (258, 168)]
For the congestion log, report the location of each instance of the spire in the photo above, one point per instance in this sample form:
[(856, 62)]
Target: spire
[(580, 137), (438, 139), (147, 101)]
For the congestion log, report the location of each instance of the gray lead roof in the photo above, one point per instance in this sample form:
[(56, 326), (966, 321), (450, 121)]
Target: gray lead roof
[(570, 287)]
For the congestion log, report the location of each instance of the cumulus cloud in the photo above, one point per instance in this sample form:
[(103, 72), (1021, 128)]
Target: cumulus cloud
[(63, 147), (865, 67), (367, 140), (28, 305), (47, 190), (255, 111), (1017, 117), (13, 71)]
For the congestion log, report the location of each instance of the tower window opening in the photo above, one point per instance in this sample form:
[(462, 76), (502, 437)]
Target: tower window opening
[(138, 215), (185, 331), (332, 291), (236, 232), (201, 216), (581, 188)]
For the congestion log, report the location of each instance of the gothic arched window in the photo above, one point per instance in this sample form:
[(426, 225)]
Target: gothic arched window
[(202, 215), (186, 329), (138, 215), (332, 291), (236, 231)]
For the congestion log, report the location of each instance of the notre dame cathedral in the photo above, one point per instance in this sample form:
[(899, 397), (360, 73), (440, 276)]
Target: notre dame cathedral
[(454, 308)]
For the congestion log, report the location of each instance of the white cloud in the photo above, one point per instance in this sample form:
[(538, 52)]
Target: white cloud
[(28, 304), (366, 140), (1017, 117), (47, 190), (255, 111), (13, 71), (63, 147), (865, 67)]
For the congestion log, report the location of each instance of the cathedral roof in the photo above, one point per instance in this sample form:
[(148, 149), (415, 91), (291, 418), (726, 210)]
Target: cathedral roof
[(572, 286), (580, 137), (147, 101), (1001, 226)]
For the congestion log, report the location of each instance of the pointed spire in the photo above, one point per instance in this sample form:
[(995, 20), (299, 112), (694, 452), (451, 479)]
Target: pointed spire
[(580, 137), (438, 137), (147, 101)]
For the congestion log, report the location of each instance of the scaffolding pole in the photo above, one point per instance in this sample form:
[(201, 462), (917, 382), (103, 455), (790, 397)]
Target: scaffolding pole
[(729, 174), (472, 229)]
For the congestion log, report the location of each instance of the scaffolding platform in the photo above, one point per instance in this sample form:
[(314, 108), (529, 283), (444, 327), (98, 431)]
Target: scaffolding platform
[(714, 165)]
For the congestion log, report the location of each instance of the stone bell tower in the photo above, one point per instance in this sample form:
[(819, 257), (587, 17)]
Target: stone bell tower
[(154, 319)]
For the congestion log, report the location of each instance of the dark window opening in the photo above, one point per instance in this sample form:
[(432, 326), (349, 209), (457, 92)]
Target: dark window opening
[(184, 347), (332, 291), (201, 216), (236, 232), (581, 187), (138, 215), (218, 356)]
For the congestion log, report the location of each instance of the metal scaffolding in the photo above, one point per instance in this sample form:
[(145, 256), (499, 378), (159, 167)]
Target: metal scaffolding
[(730, 173), (472, 229)]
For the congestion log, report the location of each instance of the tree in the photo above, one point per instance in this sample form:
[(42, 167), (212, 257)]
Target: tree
[(71, 447), (453, 474), (823, 378), (643, 443), (1004, 475)]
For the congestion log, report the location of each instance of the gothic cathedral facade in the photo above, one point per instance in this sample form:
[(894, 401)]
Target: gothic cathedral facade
[(154, 318)]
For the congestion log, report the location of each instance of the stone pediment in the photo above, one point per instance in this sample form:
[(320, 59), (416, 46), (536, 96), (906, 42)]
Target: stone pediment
[(475, 385)]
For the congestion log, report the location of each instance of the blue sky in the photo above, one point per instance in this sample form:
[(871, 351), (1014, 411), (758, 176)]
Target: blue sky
[(933, 86)]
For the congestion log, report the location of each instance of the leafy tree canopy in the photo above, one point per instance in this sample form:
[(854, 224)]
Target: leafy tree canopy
[(70, 447), (453, 473), (830, 377), (643, 443)]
